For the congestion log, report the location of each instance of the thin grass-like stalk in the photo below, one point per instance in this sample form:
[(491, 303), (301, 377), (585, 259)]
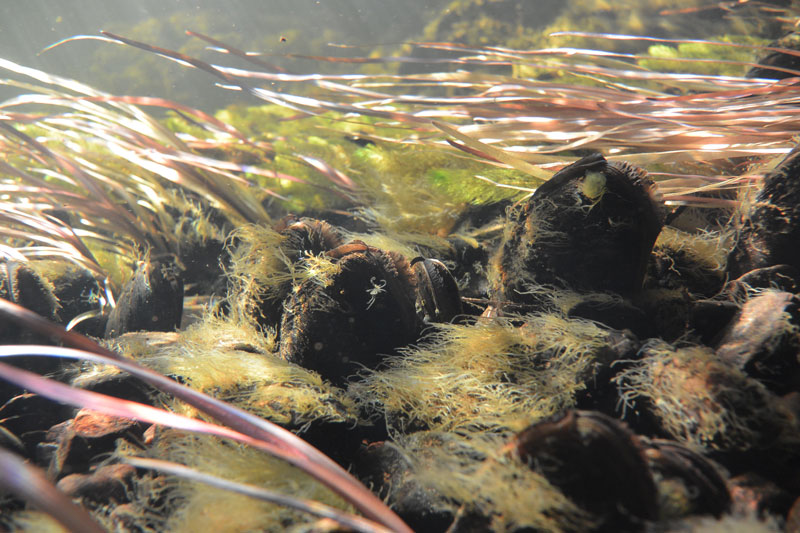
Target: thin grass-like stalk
[(112, 168), (615, 106)]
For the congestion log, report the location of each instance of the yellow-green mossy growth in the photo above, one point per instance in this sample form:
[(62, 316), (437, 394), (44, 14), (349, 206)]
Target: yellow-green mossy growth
[(234, 362), (707, 250), (259, 270), (490, 374), (418, 189), (474, 470), (701, 401), (35, 522), (203, 508)]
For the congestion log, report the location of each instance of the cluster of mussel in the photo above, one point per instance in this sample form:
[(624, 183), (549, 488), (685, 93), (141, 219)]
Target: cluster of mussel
[(710, 420)]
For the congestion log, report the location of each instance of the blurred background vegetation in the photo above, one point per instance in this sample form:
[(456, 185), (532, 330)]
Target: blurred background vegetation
[(280, 27)]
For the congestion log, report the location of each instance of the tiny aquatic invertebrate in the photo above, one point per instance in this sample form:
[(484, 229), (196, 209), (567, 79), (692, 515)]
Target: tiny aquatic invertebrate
[(376, 289)]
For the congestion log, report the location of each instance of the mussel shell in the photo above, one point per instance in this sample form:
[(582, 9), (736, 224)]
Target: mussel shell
[(390, 474), (591, 227), (779, 277), (79, 292), (307, 236), (688, 482), (366, 311), (774, 58), (151, 301), (437, 290), (20, 284), (762, 340), (301, 237), (770, 230), (595, 460)]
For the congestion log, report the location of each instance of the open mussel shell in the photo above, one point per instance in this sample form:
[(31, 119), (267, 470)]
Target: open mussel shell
[(591, 227), (437, 290), (307, 236), (80, 297), (363, 311), (688, 483), (152, 300), (596, 461)]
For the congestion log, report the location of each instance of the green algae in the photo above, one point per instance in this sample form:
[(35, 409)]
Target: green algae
[(713, 59)]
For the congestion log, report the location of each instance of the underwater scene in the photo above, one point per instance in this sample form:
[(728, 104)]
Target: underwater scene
[(446, 266)]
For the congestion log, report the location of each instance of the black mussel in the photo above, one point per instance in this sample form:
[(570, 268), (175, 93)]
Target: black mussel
[(769, 231), (591, 227), (80, 297), (22, 285), (700, 400), (203, 265), (437, 290), (363, 309), (390, 473), (300, 237), (780, 277), (687, 482), (763, 341), (307, 236), (672, 267), (596, 461), (709, 318), (615, 313), (152, 300)]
